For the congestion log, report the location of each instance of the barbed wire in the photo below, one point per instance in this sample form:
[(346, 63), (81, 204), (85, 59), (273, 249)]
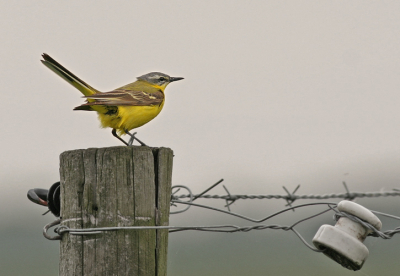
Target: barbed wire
[(233, 228), (346, 196), (229, 198), (289, 197)]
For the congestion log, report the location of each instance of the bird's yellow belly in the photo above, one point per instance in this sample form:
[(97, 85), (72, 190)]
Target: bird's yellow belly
[(130, 117)]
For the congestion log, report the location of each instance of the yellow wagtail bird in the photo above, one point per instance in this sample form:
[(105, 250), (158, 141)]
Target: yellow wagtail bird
[(124, 108)]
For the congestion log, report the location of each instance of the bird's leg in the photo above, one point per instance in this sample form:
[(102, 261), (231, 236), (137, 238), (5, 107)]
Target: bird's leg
[(114, 132), (133, 138)]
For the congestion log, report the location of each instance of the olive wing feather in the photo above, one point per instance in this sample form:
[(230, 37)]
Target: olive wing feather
[(122, 97)]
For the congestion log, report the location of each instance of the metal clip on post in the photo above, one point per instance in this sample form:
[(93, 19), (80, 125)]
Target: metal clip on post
[(344, 242)]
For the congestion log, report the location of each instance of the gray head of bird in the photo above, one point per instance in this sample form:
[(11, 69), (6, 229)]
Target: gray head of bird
[(158, 79)]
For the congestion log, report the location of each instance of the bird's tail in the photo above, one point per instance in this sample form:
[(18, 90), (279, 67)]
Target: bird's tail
[(63, 72)]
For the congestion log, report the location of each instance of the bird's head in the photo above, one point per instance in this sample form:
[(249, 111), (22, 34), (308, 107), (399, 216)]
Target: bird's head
[(158, 79)]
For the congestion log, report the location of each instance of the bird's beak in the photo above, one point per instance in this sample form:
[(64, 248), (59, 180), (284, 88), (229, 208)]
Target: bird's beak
[(171, 79)]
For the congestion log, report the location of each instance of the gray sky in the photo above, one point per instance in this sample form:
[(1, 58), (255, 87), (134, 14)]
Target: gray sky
[(275, 92)]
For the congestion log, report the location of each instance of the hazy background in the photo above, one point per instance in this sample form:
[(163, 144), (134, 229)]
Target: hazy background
[(275, 93)]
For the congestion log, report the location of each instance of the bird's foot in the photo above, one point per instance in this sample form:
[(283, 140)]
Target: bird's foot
[(133, 138)]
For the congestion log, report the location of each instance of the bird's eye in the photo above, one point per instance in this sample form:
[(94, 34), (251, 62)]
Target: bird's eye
[(162, 79)]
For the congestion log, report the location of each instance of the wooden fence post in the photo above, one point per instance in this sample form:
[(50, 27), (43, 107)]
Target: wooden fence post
[(117, 186)]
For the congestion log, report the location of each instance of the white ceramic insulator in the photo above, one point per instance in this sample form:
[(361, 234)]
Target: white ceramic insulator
[(344, 242)]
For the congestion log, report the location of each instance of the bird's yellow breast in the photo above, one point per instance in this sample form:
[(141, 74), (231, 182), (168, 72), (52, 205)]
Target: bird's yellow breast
[(130, 117)]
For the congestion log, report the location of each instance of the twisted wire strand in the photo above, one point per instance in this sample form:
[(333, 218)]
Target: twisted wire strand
[(213, 228), (295, 197), (375, 232), (233, 228)]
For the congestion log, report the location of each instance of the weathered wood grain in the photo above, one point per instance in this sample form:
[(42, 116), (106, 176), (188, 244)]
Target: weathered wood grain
[(164, 178), (118, 186)]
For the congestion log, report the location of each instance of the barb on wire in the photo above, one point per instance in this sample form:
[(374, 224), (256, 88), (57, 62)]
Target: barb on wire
[(290, 198), (350, 196), (229, 202), (208, 189)]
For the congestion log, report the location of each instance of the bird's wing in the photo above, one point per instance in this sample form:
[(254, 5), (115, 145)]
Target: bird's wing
[(124, 97)]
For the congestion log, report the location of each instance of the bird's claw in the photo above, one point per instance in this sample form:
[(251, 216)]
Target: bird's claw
[(133, 138)]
